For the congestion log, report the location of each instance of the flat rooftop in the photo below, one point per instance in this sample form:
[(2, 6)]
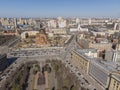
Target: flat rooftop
[(82, 53), (109, 67)]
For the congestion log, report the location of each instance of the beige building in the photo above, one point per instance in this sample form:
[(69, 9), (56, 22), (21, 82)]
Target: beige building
[(85, 43), (81, 59), (7, 21), (28, 33), (59, 31), (93, 21), (101, 46), (115, 82)]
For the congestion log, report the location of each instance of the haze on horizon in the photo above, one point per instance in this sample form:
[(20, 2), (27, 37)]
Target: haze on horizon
[(64, 8)]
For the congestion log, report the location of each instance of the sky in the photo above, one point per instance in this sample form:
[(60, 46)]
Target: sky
[(64, 8)]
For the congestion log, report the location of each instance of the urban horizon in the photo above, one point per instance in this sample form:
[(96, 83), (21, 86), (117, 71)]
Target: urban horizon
[(59, 45)]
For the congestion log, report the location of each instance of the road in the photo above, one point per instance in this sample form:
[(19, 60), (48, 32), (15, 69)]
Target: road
[(36, 52)]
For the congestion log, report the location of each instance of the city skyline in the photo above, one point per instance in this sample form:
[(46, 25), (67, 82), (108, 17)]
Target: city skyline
[(59, 45), (64, 8)]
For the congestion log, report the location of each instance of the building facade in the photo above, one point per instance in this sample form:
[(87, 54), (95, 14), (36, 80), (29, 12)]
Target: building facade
[(101, 46), (59, 31), (80, 62), (62, 23), (113, 55), (115, 82), (52, 24), (84, 43), (82, 57)]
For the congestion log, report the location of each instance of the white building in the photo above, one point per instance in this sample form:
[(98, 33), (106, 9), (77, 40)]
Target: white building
[(79, 28), (89, 21), (113, 56), (77, 20), (102, 33), (91, 52), (61, 22), (52, 24)]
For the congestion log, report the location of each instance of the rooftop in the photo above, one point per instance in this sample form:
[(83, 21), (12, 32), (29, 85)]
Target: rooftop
[(116, 76), (87, 50), (109, 67), (86, 53)]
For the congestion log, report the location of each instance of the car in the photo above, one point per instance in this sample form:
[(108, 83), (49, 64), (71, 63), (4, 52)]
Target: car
[(81, 75), (71, 71), (86, 80), (66, 60), (78, 73)]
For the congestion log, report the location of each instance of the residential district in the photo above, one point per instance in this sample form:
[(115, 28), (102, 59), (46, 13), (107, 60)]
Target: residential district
[(59, 53)]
